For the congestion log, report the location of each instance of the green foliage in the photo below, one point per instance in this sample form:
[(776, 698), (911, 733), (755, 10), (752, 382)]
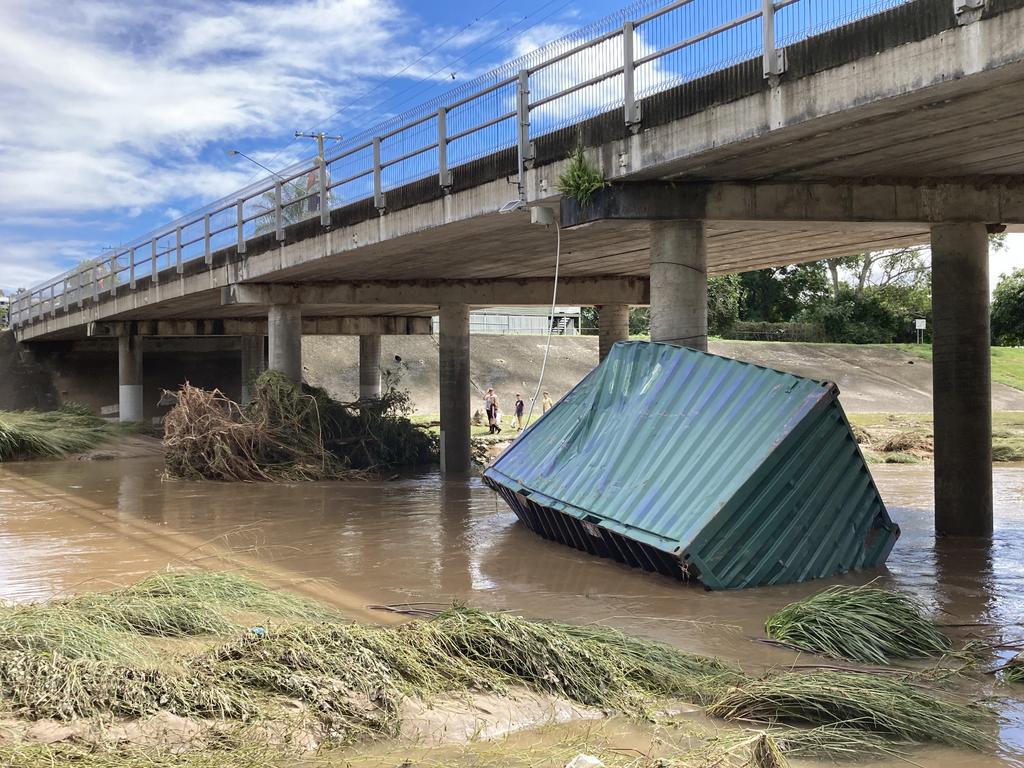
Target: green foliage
[(779, 294), (580, 180), (26, 434), (858, 319), (725, 295), (1008, 310), (640, 321), (859, 624)]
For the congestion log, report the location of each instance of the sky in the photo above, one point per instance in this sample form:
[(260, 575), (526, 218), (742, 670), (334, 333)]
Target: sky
[(116, 116)]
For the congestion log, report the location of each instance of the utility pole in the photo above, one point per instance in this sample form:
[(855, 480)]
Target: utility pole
[(323, 202)]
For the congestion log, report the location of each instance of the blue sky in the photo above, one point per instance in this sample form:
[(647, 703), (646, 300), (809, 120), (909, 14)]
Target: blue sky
[(115, 116)]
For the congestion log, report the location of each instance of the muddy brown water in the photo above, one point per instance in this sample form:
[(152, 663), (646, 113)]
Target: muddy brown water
[(73, 526)]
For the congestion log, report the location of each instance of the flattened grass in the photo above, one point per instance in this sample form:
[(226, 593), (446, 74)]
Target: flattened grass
[(27, 434), (863, 624), (880, 704)]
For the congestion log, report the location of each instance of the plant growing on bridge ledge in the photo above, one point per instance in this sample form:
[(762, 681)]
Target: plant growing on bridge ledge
[(580, 180)]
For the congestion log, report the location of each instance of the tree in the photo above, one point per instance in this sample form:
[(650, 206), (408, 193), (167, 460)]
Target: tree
[(898, 266), (1008, 309), (779, 294), (724, 297)]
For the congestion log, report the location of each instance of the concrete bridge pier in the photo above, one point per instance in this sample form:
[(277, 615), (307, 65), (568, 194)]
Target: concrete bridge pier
[(129, 377), (962, 380), (369, 366), (453, 358), (254, 362), (613, 326), (284, 331), (679, 283)]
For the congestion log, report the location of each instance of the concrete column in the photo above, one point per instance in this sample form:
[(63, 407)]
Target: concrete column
[(962, 380), (284, 329), (612, 326), (369, 366), (454, 365), (129, 378), (679, 283), (254, 362)]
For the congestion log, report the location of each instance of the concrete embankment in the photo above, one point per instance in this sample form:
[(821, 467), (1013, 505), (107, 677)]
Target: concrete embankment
[(871, 379)]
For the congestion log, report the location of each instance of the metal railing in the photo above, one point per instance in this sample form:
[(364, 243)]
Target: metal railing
[(613, 63)]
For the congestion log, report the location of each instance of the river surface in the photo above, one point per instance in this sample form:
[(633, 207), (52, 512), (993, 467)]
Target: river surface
[(73, 526)]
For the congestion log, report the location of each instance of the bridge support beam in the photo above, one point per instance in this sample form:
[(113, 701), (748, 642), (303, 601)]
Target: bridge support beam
[(962, 380), (679, 283), (129, 378), (284, 330), (254, 362), (454, 374), (369, 366), (612, 326)]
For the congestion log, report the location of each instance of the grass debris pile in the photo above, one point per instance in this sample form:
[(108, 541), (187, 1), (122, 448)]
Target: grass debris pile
[(186, 644), (1014, 671), (289, 433), (884, 704), (863, 624), (71, 429)]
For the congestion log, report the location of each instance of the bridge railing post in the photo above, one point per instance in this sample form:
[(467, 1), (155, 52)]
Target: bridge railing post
[(444, 175), (523, 146), (325, 208), (630, 105), (240, 225), (131, 269), (279, 211), (378, 183), (774, 58), (154, 267), (207, 253), (113, 273), (178, 266)]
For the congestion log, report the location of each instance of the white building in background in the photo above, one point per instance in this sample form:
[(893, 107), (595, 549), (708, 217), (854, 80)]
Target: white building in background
[(504, 321)]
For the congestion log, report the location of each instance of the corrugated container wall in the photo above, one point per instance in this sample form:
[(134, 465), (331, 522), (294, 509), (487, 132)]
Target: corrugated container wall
[(700, 467)]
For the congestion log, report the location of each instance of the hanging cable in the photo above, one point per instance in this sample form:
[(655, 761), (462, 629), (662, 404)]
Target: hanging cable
[(551, 321)]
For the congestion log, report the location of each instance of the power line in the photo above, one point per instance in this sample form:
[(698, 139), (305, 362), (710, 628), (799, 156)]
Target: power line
[(487, 42), (397, 74)]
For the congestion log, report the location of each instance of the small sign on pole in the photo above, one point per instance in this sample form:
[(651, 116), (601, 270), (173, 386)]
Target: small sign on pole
[(920, 324)]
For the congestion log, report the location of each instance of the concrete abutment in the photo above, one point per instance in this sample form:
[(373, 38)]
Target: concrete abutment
[(613, 326), (284, 331), (253, 363), (453, 359), (369, 366), (962, 380), (129, 378), (679, 283)]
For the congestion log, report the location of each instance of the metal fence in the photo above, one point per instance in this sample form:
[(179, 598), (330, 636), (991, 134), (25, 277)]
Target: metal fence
[(613, 63)]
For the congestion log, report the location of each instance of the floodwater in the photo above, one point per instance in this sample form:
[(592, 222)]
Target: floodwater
[(72, 526)]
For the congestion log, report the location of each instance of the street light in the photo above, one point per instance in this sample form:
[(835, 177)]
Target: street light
[(233, 152)]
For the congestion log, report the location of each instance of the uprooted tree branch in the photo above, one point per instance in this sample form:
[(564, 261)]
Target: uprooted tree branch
[(290, 433)]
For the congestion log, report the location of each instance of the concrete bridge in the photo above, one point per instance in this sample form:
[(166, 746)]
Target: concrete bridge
[(735, 138)]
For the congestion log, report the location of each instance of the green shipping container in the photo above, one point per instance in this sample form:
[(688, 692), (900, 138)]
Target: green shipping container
[(702, 468)]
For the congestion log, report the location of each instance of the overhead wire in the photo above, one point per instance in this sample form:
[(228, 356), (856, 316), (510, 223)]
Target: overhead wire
[(397, 74), (551, 322)]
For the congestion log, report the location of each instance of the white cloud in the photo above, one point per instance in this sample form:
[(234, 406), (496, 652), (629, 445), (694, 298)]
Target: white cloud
[(102, 96), (25, 263)]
